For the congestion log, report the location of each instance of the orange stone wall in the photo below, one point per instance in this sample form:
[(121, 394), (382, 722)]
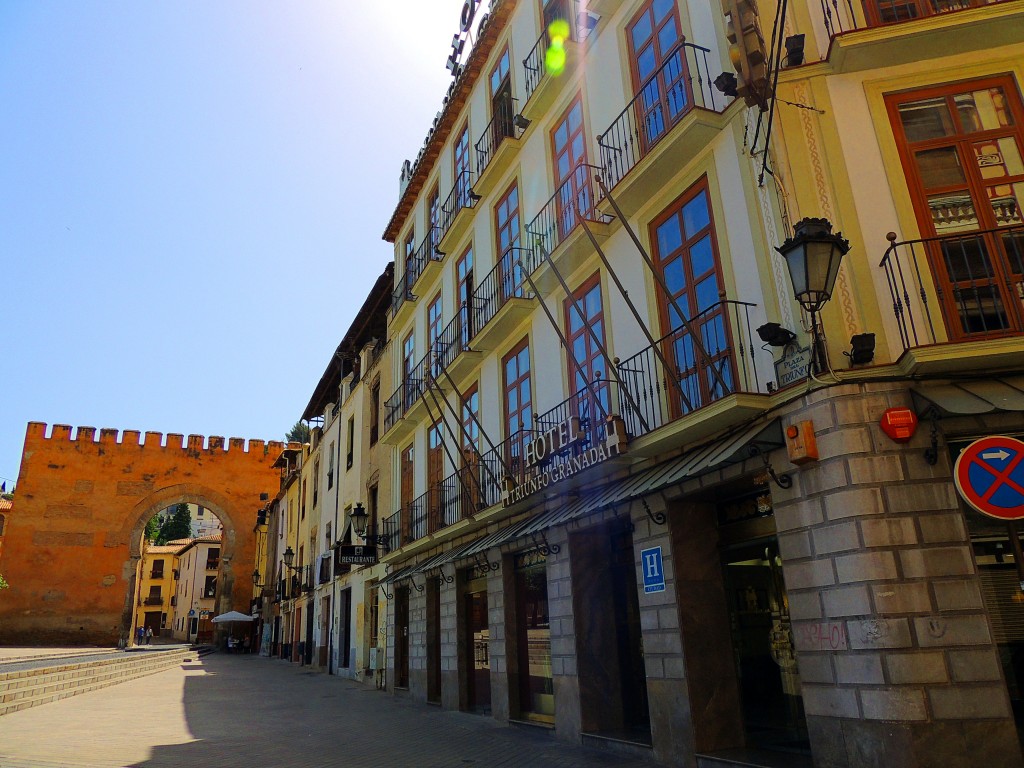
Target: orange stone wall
[(74, 534)]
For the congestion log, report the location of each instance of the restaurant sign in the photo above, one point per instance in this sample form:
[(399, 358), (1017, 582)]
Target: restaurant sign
[(560, 453), (356, 554)]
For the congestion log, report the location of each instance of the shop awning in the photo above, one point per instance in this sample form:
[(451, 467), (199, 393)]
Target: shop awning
[(968, 398)]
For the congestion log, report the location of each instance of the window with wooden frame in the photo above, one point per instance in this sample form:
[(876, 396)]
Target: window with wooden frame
[(464, 287), (502, 108), (435, 474), (330, 466), (375, 412), (961, 145), (572, 174), (686, 254), (409, 387), (659, 70), (461, 167), (472, 479), (434, 215), (350, 446), (406, 478), (895, 11), (435, 324), (507, 231), (588, 369), (410, 251), (518, 401)]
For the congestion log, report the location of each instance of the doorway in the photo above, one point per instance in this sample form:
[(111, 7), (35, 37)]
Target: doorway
[(476, 648), (402, 637), (533, 638), (761, 633)]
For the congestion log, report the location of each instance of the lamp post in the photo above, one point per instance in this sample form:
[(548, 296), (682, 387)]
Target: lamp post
[(813, 256), (360, 519)]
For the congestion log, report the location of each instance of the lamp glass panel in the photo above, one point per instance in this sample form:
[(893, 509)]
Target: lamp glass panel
[(796, 260)]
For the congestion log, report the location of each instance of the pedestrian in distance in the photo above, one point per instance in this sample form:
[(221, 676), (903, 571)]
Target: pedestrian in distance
[(140, 635), (149, 635)]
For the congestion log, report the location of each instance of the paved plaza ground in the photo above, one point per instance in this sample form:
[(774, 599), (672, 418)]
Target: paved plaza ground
[(243, 711)]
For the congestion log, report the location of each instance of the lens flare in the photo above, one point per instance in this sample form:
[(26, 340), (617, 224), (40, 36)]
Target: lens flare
[(554, 57), (558, 30)]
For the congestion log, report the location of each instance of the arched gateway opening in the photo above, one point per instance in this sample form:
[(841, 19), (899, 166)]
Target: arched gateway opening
[(75, 535)]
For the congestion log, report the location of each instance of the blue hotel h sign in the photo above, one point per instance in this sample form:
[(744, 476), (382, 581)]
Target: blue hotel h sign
[(653, 567)]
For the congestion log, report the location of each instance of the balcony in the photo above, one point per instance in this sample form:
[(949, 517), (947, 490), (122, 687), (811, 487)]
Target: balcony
[(455, 217), (672, 118), (497, 145), (958, 300), (501, 301), (391, 532), (672, 387), (881, 33), (156, 575), (416, 266), (555, 233), (541, 75), (213, 564), (452, 347), (153, 600)]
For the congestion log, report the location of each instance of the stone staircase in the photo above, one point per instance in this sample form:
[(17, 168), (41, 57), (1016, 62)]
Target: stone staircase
[(28, 683)]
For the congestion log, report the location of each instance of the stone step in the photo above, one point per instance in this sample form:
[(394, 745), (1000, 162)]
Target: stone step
[(26, 688)]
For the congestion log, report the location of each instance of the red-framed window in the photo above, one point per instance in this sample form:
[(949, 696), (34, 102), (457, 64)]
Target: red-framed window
[(435, 474), (894, 11), (472, 478), (407, 466), (569, 159), (658, 68), (435, 324), (686, 254), (464, 287), (587, 367), (501, 99), (518, 400), (408, 364), (461, 167), (434, 214), (410, 250), (962, 149), (507, 231)]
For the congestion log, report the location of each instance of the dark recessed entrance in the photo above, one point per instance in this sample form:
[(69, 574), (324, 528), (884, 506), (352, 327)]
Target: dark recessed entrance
[(476, 655)]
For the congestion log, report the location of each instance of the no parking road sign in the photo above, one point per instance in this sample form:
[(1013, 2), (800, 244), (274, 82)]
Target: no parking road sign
[(989, 474)]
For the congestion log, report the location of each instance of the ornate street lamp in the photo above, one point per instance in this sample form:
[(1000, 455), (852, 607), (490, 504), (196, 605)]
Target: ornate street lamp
[(813, 256), (360, 520)]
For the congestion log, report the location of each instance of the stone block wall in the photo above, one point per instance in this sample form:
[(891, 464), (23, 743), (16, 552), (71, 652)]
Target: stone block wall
[(893, 642)]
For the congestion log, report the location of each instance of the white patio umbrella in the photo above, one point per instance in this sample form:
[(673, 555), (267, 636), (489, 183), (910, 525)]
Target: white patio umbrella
[(230, 618)]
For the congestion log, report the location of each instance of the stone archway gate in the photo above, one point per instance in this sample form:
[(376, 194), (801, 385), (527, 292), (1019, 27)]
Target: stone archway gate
[(73, 537)]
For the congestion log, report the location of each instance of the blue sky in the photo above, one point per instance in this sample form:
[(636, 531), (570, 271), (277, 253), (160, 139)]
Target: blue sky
[(192, 196)]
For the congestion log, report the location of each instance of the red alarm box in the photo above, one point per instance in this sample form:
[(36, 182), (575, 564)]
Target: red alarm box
[(899, 424), (800, 443)]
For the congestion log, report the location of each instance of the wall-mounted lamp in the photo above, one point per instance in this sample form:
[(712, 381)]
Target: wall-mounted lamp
[(813, 255), (727, 84), (473, 196), (256, 580), (521, 122), (774, 335), (360, 519), (794, 50), (288, 558), (862, 349)]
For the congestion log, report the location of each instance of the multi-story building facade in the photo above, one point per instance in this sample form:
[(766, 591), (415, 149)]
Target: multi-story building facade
[(344, 405), (644, 491), (195, 594), (156, 599)]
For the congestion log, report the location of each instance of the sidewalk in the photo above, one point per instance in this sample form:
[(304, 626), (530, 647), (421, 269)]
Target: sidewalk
[(245, 710)]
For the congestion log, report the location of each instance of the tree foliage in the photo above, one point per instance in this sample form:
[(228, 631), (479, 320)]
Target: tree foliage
[(152, 529), (299, 433), (176, 526)]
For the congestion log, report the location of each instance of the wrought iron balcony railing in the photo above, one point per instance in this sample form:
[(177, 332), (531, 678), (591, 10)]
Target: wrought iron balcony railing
[(153, 600), (425, 252), (503, 283), (662, 395), (839, 16), (391, 531), (461, 196), (977, 279), (156, 575), (681, 83), (535, 65), (574, 200), (501, 127)]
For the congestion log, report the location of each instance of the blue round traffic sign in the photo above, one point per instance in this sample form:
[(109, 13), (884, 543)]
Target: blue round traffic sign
[(989, 474)]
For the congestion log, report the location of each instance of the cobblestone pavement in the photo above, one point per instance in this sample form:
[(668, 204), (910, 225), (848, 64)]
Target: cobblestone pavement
[(242, 711)]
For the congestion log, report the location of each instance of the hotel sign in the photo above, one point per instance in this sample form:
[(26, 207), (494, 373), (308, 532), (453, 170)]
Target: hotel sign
[(469, 9), (542, 468)]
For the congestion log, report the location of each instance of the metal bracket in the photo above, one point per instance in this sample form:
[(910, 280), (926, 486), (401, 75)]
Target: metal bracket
[(931, 453), (483, 564), (542, 546), (446, 579), (783, 480), (416, 586), (384, 589), (658, 518)]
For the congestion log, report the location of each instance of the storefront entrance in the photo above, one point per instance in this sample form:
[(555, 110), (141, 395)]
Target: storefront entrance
[(533, 638), (476, 658), (762, 639)]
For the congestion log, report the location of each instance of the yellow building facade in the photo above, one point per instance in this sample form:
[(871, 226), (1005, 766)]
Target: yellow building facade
[(156, 601)]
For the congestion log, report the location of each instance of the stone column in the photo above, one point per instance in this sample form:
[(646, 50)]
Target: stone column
[(893, 642)]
